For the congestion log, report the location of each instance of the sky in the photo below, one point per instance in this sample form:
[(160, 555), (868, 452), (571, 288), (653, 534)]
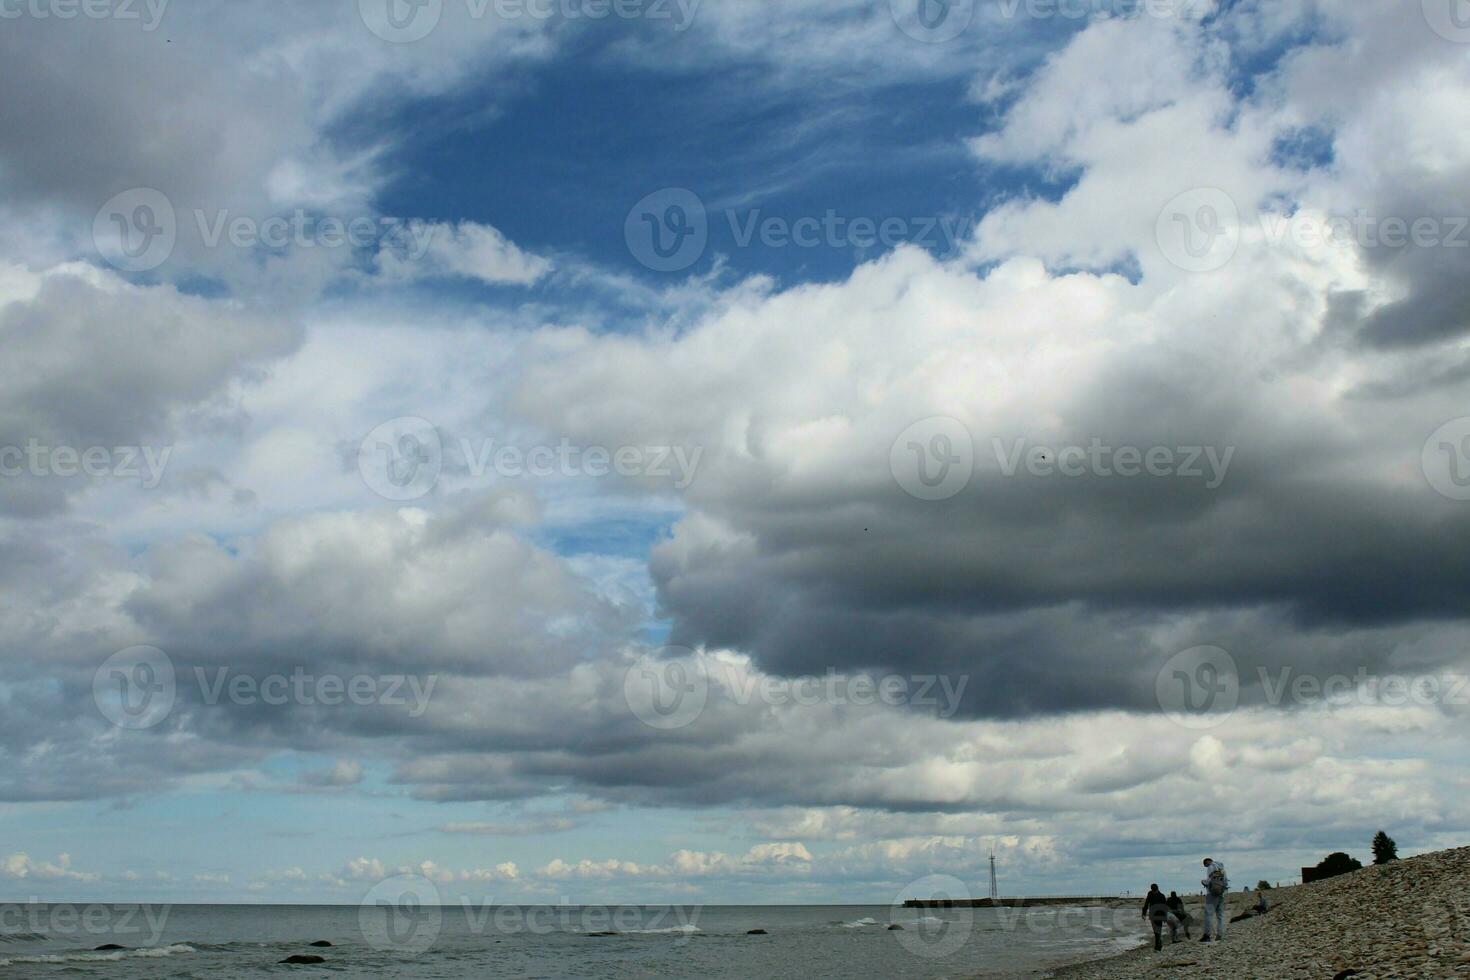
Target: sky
[(720, 452)]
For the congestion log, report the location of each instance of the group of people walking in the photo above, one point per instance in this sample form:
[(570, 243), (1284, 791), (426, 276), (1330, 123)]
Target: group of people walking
[(1161, 911)]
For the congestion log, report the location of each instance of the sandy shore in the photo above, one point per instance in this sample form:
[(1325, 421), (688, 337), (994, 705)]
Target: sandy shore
[(1407, 919)]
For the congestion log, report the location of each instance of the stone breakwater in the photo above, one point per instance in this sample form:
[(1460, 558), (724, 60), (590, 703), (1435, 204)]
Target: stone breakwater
[(1407, 919)]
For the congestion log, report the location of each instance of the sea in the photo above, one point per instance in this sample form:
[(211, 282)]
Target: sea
[(813, 942)]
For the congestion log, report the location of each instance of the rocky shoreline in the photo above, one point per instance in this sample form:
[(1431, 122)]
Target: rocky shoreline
[(1406, 919)]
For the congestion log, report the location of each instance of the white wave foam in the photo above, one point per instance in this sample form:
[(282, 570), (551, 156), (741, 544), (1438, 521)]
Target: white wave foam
[(686, 929), (859, 923), (110, 956)]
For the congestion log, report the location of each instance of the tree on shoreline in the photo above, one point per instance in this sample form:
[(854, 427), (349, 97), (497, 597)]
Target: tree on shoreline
[(1384, 848)]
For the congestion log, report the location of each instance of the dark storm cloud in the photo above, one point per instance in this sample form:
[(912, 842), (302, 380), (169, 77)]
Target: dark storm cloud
[(1055, 601)]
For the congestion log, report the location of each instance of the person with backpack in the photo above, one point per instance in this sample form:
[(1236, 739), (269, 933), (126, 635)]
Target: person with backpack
[(1217, 886)]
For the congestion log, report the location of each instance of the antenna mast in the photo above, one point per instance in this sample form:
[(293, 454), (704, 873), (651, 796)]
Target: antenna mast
[(994, 891)]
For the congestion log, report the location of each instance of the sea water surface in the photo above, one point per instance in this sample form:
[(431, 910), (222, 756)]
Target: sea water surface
[(224, 942)]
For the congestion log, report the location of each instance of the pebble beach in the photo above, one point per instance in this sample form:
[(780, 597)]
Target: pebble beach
[(1408, 918)]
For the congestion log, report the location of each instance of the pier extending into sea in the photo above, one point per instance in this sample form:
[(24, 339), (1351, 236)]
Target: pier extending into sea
[(1010, 903)]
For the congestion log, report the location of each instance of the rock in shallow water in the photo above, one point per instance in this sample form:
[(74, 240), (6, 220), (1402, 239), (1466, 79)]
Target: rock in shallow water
[(303, 958)]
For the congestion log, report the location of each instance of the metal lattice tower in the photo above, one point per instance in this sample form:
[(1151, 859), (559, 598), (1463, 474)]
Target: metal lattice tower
[(994, 891)]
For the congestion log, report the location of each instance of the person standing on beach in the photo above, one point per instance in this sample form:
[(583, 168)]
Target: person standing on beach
[(1216, 886), (1156, 911)]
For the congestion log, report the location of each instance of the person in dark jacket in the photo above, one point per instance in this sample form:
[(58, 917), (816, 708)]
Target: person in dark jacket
[(1156, 911), (1176, 906)]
